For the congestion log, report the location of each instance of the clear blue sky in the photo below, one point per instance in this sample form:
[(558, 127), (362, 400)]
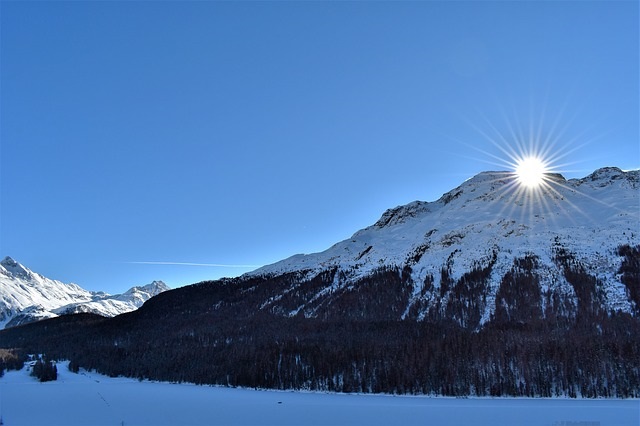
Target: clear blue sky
[(240, 133)]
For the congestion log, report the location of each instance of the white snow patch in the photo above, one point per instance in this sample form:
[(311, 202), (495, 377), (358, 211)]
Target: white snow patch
[(92, 399)]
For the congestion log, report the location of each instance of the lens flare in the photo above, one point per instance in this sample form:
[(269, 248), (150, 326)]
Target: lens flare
[(531, 153)]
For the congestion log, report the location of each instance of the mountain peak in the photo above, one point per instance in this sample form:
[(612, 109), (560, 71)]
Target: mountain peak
[(26, 296), (606, 175), (8, 262), (607, 171), (496, 178), (14, 268), (159, 284), (485, 213), (154, 288)]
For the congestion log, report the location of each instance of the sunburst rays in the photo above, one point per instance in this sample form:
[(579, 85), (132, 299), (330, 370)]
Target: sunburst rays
[(532, 155)]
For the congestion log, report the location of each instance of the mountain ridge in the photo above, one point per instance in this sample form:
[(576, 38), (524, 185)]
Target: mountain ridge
[(27, 296), (486, 216)]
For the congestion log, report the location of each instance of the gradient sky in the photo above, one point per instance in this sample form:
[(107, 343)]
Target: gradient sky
[(240, 133)]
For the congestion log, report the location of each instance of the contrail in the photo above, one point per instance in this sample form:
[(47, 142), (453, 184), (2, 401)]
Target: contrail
[(213, 265)]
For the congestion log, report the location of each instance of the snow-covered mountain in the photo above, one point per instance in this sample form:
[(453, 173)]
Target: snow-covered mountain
[(26, 296), (489, 226), (492, 290)]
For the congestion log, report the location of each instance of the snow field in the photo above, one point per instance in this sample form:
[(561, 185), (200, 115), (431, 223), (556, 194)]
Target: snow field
[(89, 399)]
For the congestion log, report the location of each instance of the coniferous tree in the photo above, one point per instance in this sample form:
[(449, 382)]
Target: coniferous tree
[(45, 371)]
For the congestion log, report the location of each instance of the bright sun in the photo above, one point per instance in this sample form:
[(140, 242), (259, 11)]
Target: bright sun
[(530, 171)]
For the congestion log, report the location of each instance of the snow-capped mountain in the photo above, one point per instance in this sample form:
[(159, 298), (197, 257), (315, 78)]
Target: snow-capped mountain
[(490, 224), (26, 296), (492, 290)]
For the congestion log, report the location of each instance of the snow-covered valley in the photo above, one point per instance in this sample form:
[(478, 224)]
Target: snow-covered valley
[(89, 399)]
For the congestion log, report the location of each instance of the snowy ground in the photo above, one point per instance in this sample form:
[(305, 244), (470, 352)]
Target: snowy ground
[(90, 399)]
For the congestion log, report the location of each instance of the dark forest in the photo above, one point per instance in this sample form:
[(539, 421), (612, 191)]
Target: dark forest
[(219, 332)]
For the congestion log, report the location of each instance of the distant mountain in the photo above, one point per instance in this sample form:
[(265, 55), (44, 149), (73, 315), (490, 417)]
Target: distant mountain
[(26, 296), (493, 289)]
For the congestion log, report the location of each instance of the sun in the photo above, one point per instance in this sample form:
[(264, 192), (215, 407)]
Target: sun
[(530, 171)]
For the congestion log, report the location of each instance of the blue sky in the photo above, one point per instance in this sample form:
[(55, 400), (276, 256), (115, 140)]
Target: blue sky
[(240, 133)]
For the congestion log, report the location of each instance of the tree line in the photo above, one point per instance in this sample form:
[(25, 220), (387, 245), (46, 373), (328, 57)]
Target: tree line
[(217, 333)]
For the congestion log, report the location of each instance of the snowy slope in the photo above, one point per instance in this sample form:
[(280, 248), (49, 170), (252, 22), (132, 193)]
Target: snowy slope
[(492, 215), (101, 400), (26, 296)]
